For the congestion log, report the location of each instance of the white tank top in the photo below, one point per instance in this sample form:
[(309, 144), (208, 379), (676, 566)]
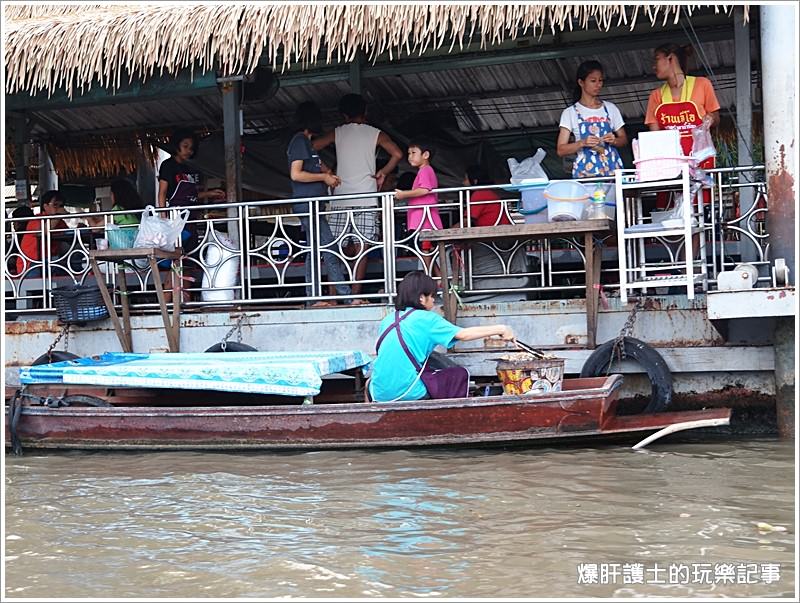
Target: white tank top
[(355, 163)]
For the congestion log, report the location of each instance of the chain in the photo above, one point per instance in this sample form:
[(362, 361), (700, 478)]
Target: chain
[(236, 328), (64, 331), (618, 348)]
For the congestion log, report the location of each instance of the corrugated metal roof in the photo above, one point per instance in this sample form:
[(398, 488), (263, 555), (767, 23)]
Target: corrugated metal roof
[(201, 110), (486, 98), (500, 97)]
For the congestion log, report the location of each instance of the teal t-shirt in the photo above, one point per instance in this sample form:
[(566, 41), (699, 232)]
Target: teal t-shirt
[(392, 371)]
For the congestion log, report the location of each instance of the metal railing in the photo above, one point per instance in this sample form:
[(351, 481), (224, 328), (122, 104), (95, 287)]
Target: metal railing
[(256, 253)]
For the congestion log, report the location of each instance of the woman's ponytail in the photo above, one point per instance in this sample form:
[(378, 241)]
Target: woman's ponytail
[(682, 53)]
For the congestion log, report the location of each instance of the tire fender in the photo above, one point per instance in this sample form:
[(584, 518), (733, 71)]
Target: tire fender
[(657, 370), (231, 346), (54, 356)]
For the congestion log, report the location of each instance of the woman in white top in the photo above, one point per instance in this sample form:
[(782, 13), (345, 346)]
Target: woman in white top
[(597, 127)]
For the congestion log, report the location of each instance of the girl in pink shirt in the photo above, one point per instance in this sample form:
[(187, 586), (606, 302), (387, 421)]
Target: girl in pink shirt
[(419, 156)]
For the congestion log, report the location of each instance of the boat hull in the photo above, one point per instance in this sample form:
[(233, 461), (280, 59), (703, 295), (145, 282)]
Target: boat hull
[(585, 409)]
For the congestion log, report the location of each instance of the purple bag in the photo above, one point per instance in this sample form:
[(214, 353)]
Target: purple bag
[(444, 383), (441, 383)]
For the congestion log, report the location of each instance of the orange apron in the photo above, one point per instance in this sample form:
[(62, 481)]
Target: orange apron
[(682, 115)]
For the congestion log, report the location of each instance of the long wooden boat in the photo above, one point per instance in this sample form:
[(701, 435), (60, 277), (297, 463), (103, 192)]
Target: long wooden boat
[(141, 419)]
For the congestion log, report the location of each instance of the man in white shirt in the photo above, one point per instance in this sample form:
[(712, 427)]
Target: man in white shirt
[(358, 220)]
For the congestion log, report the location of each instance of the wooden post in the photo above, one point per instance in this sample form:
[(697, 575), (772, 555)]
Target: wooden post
[(232, 124), (22, 187)]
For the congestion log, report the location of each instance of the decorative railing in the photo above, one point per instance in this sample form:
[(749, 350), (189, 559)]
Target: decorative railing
[(255, 253)]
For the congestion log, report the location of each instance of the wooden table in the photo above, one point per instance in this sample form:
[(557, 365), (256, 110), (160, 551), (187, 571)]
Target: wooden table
[(549, 230), (153, 256)]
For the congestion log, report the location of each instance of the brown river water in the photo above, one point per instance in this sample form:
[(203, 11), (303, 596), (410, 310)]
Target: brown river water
[(697, 518)]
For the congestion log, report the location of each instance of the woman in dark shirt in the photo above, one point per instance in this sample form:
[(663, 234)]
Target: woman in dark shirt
[(179, 184)]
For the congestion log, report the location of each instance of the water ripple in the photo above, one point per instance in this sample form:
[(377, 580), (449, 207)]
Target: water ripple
[(428, 523)]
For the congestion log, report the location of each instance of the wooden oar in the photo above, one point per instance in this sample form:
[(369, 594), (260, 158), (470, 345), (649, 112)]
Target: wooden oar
[(526, 348)]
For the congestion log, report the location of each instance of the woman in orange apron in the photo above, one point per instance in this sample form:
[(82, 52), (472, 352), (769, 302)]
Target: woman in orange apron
[(683, 102)]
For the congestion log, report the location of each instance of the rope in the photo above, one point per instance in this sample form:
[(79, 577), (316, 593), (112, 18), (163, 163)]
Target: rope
[(14, 412), (456, 291), (64, 401)]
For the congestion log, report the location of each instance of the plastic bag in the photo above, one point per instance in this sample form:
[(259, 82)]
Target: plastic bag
[(674, 219), (702, 143), (528, 169), (160, 232), (220, 268)]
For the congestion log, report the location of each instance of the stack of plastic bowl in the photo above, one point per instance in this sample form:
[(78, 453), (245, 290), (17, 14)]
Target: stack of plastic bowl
[(566, 200)]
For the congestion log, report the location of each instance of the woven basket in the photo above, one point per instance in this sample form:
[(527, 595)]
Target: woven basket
[(79, 304)]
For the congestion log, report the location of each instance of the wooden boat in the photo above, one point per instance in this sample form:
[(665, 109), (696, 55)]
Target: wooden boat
[(143, 419)]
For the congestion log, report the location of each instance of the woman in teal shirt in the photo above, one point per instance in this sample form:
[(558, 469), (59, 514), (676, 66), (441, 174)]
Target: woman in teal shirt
[(394, 377)]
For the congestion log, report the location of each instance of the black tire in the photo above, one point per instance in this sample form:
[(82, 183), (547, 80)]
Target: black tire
[(54, 356), (231, 346), (657, 370)]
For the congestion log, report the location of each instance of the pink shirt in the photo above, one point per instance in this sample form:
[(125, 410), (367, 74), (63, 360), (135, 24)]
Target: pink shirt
[(426, 178)]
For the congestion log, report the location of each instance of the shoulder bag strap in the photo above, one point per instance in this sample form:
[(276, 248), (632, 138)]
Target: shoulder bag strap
[(397, 319), (405, 347)]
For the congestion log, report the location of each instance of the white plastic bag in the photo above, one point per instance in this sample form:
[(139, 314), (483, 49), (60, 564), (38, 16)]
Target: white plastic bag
[(220, 268), (529, 169), (160, 232), (702, 143)]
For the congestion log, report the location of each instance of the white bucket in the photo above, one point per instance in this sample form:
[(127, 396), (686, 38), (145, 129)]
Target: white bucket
[(566, 200)]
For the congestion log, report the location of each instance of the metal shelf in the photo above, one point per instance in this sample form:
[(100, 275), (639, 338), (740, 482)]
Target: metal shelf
[(666, 232), (634, 267)]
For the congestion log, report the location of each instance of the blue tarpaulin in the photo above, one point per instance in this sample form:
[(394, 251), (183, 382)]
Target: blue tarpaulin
[(286, 373)]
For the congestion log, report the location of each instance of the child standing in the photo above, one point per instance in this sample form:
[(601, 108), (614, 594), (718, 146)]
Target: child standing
[(419, 156)]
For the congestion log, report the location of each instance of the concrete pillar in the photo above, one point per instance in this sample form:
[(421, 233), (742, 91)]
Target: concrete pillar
[(778, 24), (784, 375), (232, 123), (48, 179), (744, 120), (778, 27)]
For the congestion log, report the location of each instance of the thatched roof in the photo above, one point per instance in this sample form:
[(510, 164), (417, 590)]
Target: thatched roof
[(58, 46)]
